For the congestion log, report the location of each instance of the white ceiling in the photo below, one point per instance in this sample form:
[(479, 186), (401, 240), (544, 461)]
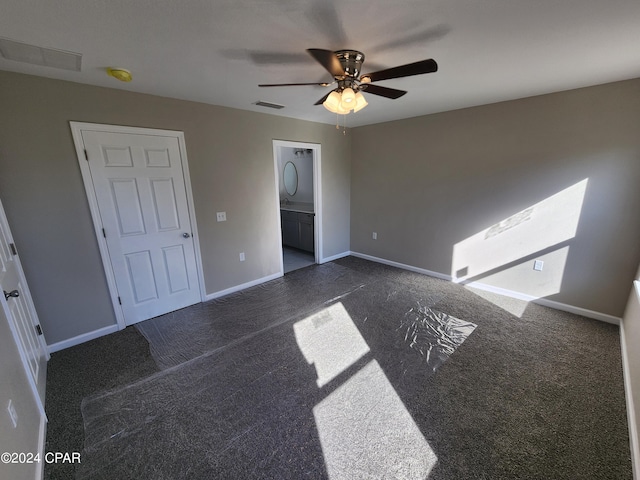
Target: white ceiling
[(218, 51)]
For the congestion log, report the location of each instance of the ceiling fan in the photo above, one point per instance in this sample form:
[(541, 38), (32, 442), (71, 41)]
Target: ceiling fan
[(345, 67)]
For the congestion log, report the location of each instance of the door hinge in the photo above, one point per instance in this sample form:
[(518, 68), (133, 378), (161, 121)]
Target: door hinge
[(104, 234), (119, 300), (38, 329), (13, 249), (86, 155)]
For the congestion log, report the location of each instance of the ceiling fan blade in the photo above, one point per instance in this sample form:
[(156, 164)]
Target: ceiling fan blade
[(328, 60), (430, 34), (323, 84), (263, 57), (383, 91), (323, 16), (408, 70), (278, 58), (321, 101)]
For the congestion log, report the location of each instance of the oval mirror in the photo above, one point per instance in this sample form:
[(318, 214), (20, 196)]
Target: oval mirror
[(290, 178)]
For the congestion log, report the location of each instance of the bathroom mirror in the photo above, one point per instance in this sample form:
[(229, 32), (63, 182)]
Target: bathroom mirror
[(290, 178)]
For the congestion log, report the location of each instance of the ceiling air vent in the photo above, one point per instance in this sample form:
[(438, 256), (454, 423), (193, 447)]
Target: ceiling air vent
[(269, 105), (48, 57)]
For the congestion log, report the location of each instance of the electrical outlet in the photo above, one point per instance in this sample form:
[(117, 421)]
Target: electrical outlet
[(221, 216), (13, 414), (242, 256), (374, 235), (537, 265)]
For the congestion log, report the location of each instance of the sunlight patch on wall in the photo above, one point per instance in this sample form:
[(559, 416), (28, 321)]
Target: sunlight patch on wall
[(536, 284), (366, 431), (330, 341), (535, 229)]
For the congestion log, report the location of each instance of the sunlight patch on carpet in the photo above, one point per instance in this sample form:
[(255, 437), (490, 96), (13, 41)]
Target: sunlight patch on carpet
[(366, 431)]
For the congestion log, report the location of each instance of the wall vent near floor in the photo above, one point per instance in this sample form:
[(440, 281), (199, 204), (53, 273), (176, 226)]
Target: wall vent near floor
[(269, 105), (48, 57)]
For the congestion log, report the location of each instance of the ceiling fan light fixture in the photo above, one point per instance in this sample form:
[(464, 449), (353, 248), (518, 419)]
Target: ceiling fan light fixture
[(343, 111), (348, 98), (360, 101), (345, 67), (332, 103)]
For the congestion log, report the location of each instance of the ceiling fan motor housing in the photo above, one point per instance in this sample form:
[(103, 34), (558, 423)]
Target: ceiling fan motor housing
[(351, 61)]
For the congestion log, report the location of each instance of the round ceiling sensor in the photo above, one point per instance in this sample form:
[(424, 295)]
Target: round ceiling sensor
[(121, 74)]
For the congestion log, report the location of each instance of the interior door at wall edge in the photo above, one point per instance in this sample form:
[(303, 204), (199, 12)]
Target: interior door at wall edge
[(22, 312), (140, 188)]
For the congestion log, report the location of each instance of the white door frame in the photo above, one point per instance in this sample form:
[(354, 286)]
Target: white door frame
[(76, 130), (317, 195)]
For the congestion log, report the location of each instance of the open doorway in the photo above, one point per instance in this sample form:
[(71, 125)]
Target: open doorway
[(297, 167)]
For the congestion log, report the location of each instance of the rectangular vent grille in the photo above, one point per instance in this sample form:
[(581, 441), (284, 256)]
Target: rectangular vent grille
[(269, 105), (48, 57)]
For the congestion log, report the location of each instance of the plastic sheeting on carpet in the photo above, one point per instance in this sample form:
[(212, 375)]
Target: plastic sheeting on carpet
[(266, 404), (433, 334), (185, 334), (188, 333)]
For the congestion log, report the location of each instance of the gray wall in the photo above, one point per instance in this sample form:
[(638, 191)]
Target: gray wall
[(231, 164), (426, 185)]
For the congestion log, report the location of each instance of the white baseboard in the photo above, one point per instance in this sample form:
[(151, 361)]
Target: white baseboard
[(603, 317), (85, 337), (335, 257), (502, 291), (237, 288), (499, 291), (42, 440), (631, 414), (404, 266)]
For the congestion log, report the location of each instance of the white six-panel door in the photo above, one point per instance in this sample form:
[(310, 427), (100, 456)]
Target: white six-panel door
[(22, 314), (139, 184)]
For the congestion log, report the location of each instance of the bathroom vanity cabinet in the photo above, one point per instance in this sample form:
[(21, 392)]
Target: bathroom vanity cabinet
[(297, 230)]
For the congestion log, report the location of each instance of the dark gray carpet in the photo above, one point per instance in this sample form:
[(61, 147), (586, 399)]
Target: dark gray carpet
[(72, 374), (329, 372)]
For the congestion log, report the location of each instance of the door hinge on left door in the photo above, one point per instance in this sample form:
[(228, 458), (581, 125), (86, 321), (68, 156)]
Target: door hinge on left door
[(13, 249), (38, 329), (86, 155)]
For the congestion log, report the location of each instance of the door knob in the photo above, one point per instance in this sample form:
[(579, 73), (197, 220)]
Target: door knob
[(13, 293), (186, 235)]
